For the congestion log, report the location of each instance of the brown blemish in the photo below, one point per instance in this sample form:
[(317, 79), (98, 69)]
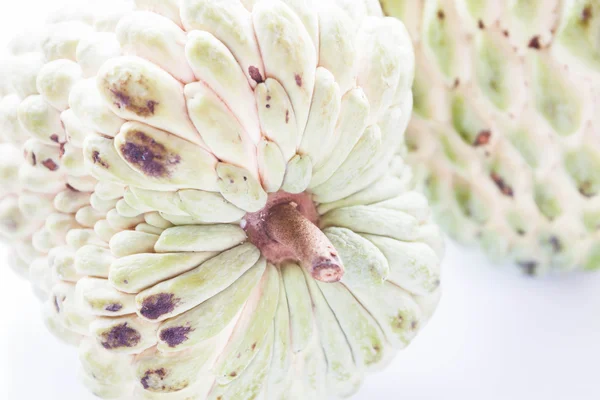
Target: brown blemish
[(255, 74), (528, 267), (97, 160), (233, 374), (480, 24), (173, 337), (482, 138), (113, 307), (505, 33), (298, 80), (585, 188), (157, 305), (441, 15), (586, 14), (456, 83), (520, 232), (534, 43), (153, 375), (50, 164), (151, 157), (398, 321), (502, 185), (120, 336), (253, 346), (142, 107)]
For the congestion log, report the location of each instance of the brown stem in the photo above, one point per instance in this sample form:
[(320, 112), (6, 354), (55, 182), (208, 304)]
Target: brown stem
[(288, 226)]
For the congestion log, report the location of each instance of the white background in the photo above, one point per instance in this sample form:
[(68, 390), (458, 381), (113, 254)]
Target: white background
[(496, 335)]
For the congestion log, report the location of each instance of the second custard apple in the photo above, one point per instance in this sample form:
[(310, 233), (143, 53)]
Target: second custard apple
[(505, 131)]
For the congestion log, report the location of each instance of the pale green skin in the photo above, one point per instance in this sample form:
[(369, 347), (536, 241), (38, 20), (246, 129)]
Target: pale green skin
[(549, 120), (142, 257)]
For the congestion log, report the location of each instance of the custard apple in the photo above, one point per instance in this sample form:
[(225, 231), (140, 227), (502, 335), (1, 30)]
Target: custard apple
[(231, 220), (504, 137)]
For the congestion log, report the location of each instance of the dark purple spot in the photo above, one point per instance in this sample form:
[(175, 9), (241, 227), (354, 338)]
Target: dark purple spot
[(175, 336), (33, 159), (56, 306), (534, 43), (151, 375), (158, 304), (268, 106), (71, 188), (113, 307), (151, 104), (287, 116), (298, 80), (528, 267), (148, 155), (502, 185), (414, 325), (61, 151), (555, 243), (97, 160), (122, 99), (120, 336), (482, 138), (54, 138), (255, 74), (50, 164)]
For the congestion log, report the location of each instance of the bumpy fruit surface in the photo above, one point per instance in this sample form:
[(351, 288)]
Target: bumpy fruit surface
[(232, 220), (505, 133)]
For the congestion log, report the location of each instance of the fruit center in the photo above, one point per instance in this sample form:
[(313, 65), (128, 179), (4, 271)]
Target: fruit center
[(286, 230)]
